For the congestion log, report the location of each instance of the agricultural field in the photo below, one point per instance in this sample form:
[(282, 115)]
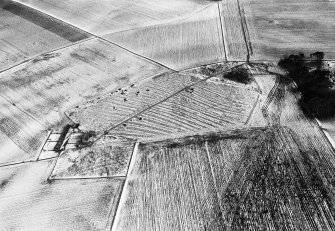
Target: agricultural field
[(328, 126), (206, 105), (106, 111), (252, 179), (111, 16), (285, 27), (178, 44), (189, 103), (25, 33), (21, 136), (49, 84), (175, 115), (30, 202), (170, 187), (108, 160), (235, 34)]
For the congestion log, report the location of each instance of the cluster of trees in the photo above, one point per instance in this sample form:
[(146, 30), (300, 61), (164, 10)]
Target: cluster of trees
[(87, 138), (315, 81), (239, 74), (3, 3)]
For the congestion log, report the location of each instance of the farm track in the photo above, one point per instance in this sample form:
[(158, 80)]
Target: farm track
[(271, 96), (252, 110), (281, 96), (234, 30), (25, 162), (223, 36), (245, 32), (211, 186)]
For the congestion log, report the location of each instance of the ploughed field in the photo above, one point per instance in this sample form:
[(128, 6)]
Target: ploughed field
[(256, 179), (122, 115)]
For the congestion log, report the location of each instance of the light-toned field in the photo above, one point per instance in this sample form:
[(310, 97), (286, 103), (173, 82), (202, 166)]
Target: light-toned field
[(233, 31), (113, 15), (286, 27), (128, 103), (140, 128), (107, 111), (50, 84), (182, 44), (35, 94), (29, 202), (206, 105), (21, 137), (25, 33)]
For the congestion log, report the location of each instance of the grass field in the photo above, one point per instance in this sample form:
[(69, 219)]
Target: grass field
[(111, 16), (25, 33), (108, 160), (180, 44), (29, 202), (287, 27)]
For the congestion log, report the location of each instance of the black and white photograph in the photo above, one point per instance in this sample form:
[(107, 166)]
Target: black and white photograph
[(167, 115)]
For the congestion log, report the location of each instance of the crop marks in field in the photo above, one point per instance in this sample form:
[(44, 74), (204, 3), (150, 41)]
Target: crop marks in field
[(25, 32), (182, 44), (281, 29), (21, 137), (50, 84)]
